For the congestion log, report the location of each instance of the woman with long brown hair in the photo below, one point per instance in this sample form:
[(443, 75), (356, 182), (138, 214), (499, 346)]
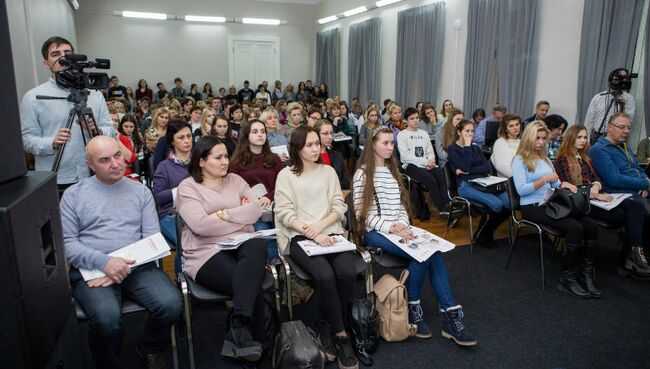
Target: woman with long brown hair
[(445, 136)]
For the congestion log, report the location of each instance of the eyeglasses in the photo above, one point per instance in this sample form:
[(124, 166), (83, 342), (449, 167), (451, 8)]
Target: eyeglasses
[(313, 117), (622, 127)]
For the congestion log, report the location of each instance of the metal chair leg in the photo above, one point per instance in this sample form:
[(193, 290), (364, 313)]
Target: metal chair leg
[(287, 274), (471, 229), (541, 256), (451, 210), (174, 347), (512, 247), (188, 325), (276, 286)]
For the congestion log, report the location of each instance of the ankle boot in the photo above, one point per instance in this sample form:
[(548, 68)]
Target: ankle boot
[(586, 276), (635, 264), (486, 237), (453, 327), (239, 343), (568, 282)]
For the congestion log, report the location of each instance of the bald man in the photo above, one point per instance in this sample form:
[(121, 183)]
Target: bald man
[(102, 214)]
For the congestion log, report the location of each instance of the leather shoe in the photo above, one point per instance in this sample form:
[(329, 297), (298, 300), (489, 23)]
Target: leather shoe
[(152, 361)]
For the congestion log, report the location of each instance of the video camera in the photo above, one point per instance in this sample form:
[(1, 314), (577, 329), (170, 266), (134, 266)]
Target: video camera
[(620, 80), (74, 77)]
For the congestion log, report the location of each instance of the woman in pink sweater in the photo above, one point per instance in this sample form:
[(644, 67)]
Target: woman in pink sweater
[(215, 206)]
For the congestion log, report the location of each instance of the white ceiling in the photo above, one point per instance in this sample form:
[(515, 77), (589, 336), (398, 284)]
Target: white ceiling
[(304, 2)]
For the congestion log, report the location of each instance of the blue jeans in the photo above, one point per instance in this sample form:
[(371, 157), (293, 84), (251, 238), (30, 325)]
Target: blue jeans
[(435, 265), (271, 244), (496, 202), (148, 286), (168, 230)]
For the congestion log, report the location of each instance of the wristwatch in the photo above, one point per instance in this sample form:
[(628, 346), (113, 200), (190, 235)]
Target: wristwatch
[(221, 214)]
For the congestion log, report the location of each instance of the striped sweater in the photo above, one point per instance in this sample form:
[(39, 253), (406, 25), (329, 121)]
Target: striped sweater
[(389, 210)]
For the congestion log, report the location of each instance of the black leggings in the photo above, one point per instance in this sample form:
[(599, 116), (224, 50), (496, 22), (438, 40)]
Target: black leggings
[(334, 276), (577, 229), (239, 273), (434, 181)]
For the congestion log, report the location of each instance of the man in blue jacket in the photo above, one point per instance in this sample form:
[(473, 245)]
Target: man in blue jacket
[(620, 173)]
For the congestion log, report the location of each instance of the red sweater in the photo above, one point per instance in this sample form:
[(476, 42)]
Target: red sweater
[(127, 142), (257, 173)]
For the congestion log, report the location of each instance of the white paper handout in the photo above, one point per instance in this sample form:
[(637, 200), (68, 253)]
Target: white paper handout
[(423, 246), (489, 180), (340, 136), (280, 150), (234, 241), (618, 198), (144, 251), (341, 244)]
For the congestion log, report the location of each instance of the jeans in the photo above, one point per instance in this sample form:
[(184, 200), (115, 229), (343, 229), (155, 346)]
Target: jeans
[(435, 265), (168, 230), (149, 287), (271, 244), (496, 202)]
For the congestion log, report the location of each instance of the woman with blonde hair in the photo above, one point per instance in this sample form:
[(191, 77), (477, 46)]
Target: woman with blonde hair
[(271, 120), (395, 121), (371, 121), (207, 121), (157, 128), (294, 119), (533, 176), (446, 135)]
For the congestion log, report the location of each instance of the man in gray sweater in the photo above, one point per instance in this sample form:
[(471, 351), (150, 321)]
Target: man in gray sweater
[(102, 214)]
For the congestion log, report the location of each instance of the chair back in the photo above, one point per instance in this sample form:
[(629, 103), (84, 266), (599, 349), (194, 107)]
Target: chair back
[(351, 214), (513, 198), (450, 180), (491, 132)]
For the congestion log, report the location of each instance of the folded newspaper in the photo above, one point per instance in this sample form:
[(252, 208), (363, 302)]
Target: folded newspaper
[(423, 246), (280, 150), (311, 248), (616, 201), (489, 180), (234, 242), (144, 251)]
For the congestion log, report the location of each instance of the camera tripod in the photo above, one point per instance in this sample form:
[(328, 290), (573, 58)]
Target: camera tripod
[(83, 113)]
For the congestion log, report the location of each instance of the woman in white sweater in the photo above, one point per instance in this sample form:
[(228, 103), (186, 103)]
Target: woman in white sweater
[(506, 145), (309, 205)]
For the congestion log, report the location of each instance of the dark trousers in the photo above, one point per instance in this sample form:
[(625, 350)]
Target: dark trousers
[(434, 181), (148, 286), (334, 276), (577, 229), (240, 273)]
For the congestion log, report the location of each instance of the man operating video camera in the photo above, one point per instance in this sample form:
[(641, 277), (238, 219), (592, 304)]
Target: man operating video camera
[(43, 121), (605, 104)]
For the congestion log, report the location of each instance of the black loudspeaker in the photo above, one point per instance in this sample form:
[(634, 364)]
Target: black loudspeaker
[(35, 297), (11, 143)]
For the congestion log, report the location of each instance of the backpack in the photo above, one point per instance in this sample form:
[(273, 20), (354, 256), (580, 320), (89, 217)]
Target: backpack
[(297, 347), (392, 306), (362, 321)]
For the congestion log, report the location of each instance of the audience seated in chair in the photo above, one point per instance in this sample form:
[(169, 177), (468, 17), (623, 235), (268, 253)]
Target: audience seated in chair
[(271, 120), (257, 165), (309, 205), (419, 160), (498, 112), (445, 136), (533, 175), (215, 206), (556, 124), (619, 172), (333, 158), (506, 145), (381, 206), (102, 214), (468, 162)]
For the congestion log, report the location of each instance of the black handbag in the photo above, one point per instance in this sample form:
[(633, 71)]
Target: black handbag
[(563, 203), (362, 320), (296, 347)]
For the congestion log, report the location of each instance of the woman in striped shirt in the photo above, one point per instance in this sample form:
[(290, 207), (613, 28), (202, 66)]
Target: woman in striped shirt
[(381, 206)]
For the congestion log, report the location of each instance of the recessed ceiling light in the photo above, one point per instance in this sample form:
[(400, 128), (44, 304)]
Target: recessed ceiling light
[(144, 15)]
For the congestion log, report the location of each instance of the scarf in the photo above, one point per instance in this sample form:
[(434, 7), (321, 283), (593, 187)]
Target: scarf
[(172, 157)]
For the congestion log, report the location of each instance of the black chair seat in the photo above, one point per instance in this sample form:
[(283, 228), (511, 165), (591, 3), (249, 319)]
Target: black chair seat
[(128, 307), (553, 231), (202, 293), (387, 260)]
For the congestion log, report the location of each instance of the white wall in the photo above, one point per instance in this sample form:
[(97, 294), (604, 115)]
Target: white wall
[(31, 22), (162, 50), (559, 49)]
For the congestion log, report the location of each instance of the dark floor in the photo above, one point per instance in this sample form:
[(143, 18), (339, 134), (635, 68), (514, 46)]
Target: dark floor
[(518, 325)]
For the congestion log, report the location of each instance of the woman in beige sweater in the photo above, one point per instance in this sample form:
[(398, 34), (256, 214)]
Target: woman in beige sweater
[(215, 206), (309, 205)]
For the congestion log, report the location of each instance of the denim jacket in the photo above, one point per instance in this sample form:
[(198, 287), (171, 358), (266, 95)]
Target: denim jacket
[(617, 167)]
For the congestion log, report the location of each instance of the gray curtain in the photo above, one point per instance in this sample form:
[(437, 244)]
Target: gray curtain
[(646, 80), (327, 59), (517, 54), (364, 61), (420, 39), (479, 56), (609, 34)]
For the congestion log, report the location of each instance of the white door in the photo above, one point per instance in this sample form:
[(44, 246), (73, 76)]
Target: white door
[(255, 61)]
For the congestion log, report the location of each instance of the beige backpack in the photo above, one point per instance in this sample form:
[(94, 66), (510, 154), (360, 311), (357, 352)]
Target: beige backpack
[(392, 305)]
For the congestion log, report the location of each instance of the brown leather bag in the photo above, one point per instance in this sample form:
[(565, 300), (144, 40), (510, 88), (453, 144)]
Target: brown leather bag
[(392, 305)]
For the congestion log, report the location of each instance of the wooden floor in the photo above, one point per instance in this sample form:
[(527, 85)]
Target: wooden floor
[(436, 225)]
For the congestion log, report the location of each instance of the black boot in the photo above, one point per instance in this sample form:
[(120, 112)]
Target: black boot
[(586, 276), (239, 343), (486, 235), (568, 281)]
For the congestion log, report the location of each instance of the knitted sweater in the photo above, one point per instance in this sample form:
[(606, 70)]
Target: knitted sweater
[(258, 173), (389, 210), (169, 175)]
